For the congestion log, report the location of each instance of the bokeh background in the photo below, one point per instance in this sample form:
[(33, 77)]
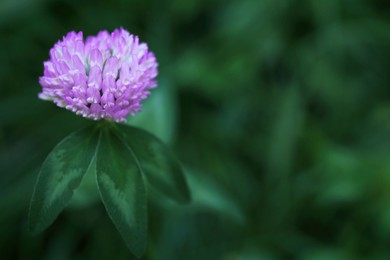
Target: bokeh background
[(278, 110)]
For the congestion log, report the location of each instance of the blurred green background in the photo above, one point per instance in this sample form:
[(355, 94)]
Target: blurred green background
[(278, 110)]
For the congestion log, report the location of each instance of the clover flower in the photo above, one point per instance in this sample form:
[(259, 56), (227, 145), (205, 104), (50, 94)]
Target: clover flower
[(105, 77)]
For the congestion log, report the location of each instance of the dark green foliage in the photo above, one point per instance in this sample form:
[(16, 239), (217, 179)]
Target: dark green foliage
[(279, 112), (60, 175), (121, 184), (120, 158), (159, 165)]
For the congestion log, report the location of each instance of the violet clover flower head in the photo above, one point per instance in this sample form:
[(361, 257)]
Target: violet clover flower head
[(105, 77)]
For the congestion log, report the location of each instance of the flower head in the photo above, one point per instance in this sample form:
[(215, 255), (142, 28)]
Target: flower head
[(104, 77)]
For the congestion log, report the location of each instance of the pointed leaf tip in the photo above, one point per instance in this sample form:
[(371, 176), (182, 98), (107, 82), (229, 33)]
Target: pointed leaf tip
[(122, 190), (59, 177)]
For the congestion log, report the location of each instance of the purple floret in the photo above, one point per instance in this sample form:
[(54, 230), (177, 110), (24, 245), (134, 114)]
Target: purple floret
[(105, 77)]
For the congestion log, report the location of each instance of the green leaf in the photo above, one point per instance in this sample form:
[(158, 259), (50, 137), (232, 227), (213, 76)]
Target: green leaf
[(87, 193), (60, 175), (122, 189), (160, 166)]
